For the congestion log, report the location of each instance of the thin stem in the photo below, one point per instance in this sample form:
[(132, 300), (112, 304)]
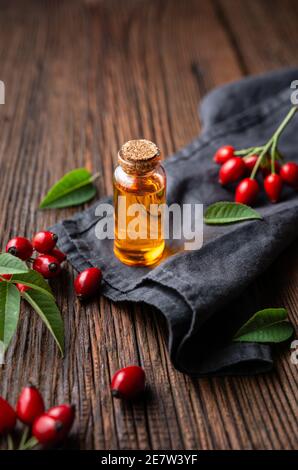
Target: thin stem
[(95, 176), (273, 154), (10, 442), (253, 152), (259, 160), (285, 122), (248, 151), (32, 442), (273, 141), (277, 134), (24, 437)]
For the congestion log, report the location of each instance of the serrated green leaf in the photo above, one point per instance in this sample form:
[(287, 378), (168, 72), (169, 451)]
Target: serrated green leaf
[(224, 212), (47, 309), (73, 189), (10, 264), (9, 311), (266, 326), (34, 280)]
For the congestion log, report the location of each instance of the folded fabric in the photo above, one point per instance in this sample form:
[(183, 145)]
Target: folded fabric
[(205, 294)]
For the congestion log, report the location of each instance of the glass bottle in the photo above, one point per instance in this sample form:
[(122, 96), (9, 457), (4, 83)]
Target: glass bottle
[(139, 193)]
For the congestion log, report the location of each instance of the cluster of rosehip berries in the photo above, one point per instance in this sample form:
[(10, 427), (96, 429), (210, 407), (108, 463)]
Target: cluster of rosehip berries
[(127, 382), (48, 262), (47, 427), (52, 426), (49, 259), (234, 167)]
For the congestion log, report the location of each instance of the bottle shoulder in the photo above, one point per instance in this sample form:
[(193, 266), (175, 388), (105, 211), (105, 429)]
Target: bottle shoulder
[(150, 182)]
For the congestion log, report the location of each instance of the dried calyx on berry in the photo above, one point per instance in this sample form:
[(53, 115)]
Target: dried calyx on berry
[(88, 282), (54, 425), (44, 242), (128, 382), (48, 266), (20, 247), (47, 430), (64, 414)]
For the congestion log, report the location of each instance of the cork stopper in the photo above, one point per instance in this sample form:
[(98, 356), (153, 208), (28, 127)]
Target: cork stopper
[(138, 156)]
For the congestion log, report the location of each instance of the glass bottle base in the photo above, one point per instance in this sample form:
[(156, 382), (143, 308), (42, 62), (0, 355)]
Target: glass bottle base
[(139, 258)]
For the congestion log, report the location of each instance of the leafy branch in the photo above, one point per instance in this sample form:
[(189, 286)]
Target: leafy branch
[(38, 294)]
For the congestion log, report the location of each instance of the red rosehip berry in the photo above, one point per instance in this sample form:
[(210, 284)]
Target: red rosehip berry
[(63, 413), (232, 170), (44, 242), (22, 287), (88, 282), (247, 191), (47, 430), (30, 404), (128, 382), (273, 187), (223, 154), (250, 162), (289, 174), (20, 247), (5, 276), (47, 266), (266, 170), (8, 416), (59, 255)]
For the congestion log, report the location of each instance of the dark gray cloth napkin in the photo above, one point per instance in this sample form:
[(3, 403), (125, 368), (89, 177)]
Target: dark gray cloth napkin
[(205, 294)]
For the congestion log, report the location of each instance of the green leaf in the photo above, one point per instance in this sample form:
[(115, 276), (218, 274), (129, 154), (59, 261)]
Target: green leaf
[(34, 280), (73, 189), (229, 212), (47, 309), (10, 264), (266, 326), (9, 311)]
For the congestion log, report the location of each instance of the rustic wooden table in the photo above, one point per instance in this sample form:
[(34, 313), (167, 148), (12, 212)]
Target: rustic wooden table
[(81, 78)]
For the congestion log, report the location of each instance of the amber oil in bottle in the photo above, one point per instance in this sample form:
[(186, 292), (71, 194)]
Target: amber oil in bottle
[(139, 193)]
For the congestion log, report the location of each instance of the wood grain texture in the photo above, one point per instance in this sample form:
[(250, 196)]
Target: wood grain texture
[(81, 78)]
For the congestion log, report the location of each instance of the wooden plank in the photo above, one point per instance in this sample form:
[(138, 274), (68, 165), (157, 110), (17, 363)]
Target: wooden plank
[(82, 77), (263, 34)]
